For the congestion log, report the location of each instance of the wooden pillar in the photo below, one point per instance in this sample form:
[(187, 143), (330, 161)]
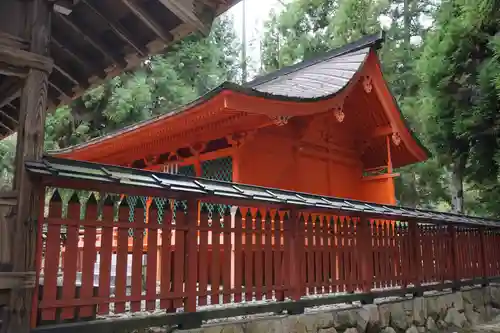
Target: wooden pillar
[(192, 255), (30, 139)]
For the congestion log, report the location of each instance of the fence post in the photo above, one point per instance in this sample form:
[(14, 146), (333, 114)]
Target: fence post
[(191, 241), (484, 258), (454, 254), (364, 252), (294, 246), (415, 252)]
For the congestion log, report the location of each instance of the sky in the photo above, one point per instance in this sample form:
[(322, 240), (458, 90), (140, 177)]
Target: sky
[(257, 12)]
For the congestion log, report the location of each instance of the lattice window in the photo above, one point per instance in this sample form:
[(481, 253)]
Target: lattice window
[(217, 169), (133, 202)]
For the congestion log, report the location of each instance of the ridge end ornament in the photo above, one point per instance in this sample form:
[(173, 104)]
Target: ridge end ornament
[(367, 84), (396, 138), (280, 120), (339, 114)]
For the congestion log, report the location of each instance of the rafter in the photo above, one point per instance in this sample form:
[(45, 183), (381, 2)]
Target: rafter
[(8, 70), (66, 75), (147, 19), (9, 91), (72, 54), (116, 27), (91, 40), (184, 10), (63, 95), (6, 115), (7, 128)]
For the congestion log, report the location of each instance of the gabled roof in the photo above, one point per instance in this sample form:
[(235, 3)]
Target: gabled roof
[(311, 81)]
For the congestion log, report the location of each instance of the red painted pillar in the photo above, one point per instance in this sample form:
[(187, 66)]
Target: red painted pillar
[(454, 253), (364, 252), (416, 254), (294, 246), (484, 254)]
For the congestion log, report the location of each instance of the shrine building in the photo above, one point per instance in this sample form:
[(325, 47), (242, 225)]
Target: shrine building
[(326, 126)]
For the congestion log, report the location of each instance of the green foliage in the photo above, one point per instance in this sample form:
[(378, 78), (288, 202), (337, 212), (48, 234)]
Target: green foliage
[(459, 71)]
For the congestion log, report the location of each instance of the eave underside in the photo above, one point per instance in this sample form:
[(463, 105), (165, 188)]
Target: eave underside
[(98, 40)]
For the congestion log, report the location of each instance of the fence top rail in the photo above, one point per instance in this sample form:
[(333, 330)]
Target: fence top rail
[(74, 174)]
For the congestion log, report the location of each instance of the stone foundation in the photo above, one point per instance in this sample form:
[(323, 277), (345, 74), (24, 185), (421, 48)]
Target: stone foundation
[(435, 312)]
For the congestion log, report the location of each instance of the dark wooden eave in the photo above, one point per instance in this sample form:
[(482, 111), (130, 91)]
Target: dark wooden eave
[(98, 40)]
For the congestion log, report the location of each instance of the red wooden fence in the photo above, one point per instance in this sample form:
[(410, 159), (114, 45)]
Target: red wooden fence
[(191, 261)]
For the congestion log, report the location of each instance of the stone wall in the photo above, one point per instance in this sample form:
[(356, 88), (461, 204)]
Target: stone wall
[(435, 312)]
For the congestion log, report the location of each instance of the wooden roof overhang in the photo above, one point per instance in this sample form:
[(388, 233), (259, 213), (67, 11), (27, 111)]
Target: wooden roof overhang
[(347, 79), (93, 41)]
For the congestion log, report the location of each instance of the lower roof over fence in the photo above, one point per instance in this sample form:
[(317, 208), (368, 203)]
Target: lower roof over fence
[(92, 176)]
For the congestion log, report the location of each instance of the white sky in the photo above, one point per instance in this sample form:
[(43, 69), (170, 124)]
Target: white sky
[(257, 12)]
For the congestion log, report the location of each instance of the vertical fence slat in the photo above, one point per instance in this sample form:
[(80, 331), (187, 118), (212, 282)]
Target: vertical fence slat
[(258, 269), (203, 262), (52, 250), (238, 257), (89, 258), (216, 264), (179, 257), (70, 259), (268, 256), (152, 258), (248, 257), (166, 261), (105, 255), (226, 260), (191, 222), (278, 261), (121, 259)]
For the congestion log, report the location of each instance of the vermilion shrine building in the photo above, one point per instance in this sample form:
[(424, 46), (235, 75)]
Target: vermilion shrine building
[(327, 126)]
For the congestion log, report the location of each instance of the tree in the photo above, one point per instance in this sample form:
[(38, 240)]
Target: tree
[(459, 70)]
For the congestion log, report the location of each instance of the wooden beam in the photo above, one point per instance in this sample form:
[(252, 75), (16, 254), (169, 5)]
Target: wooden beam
[(91, 40), (21, 58), (381, 131), (117, 28), (7, 128), (147, 19), (12, 41), (184, 10), (30, 137), (9, 70), (4, 114)]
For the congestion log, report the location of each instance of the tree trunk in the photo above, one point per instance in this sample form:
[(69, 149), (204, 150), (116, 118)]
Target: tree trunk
[(457, 185)]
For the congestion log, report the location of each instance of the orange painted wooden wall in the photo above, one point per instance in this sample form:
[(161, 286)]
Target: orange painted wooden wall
[(313, 154)]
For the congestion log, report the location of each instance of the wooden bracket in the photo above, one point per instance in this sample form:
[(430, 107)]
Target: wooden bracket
[(185, 10), (17, 280), (24, 59), (239, 139)]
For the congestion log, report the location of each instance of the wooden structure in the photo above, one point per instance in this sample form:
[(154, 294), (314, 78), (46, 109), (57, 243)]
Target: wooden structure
[(322, 246), (51, 51), (328, 126)]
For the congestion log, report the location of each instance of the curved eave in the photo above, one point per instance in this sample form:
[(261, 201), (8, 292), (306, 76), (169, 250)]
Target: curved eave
[(414, 146)]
